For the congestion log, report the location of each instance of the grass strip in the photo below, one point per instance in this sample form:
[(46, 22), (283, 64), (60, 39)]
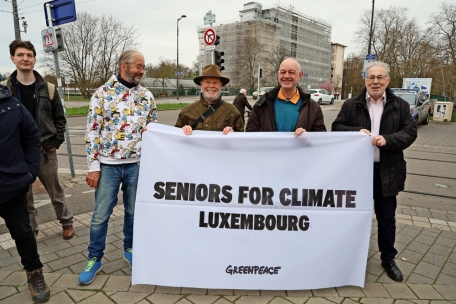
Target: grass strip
[(160, 107)]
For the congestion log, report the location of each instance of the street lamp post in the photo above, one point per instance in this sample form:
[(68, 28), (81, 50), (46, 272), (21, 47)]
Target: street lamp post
[(177, 65)]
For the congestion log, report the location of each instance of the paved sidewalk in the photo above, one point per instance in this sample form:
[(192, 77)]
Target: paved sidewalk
[(427, 257), (426, 241)]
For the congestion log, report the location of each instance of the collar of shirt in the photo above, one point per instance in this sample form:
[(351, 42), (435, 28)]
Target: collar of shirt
[(293, 99), (369, 99)]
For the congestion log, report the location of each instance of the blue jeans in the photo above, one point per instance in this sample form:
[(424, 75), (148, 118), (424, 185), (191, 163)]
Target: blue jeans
[(112, 176)]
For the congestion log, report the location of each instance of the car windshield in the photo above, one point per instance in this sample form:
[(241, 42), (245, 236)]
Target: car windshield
[(410, 98), (311, 92), (265, 89)]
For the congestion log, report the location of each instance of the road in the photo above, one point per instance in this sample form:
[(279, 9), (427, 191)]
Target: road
[(431, 177)]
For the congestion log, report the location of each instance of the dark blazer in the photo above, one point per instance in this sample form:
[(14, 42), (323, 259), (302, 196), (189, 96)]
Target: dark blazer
[(397, 127)]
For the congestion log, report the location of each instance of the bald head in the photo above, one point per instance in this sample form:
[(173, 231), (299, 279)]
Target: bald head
[(289, 75), (291, 62)]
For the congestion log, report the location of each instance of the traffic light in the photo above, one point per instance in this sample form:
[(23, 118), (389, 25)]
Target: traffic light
[(261, 73), (218, 60)]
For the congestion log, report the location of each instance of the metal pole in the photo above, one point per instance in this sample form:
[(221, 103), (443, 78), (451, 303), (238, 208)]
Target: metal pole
[(177, 65), (17, 30), (258, 91), (371, 29), (59, 86)]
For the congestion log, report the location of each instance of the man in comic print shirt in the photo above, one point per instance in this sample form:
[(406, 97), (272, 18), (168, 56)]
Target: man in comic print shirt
[(118, 111)]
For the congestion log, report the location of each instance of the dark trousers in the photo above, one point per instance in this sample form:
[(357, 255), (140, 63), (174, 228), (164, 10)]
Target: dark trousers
[(16, 217), (385, 211)]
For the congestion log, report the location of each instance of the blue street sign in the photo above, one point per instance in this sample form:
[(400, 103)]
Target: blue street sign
[(371, 56), (178, 73), (62, 11), (306, 75)]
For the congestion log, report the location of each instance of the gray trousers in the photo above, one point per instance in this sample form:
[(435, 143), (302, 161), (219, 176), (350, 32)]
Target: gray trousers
[(48, 176)]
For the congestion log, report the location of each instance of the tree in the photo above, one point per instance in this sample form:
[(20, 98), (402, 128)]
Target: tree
[(162, 71), (248, 63), (327, 85), (92, 46), (273, 61)]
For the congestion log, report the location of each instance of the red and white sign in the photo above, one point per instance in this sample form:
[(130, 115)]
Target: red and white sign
[(48, 37), (209, 36)]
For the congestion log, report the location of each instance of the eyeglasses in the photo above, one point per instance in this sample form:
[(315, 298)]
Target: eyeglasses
[(380, 78)]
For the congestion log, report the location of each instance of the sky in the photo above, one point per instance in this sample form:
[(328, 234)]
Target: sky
[(156, 21)]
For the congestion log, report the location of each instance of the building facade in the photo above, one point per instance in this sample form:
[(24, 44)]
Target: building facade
[(262, 37), (337, 67)]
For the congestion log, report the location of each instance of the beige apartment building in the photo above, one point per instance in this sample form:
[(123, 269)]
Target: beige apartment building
[(337, 66), (262, 37)]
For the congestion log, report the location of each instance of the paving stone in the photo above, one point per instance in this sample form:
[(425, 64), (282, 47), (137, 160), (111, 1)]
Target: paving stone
[(10, 261), (53, 248), (3, 275), (168, 290), (98, 298), (222, 301), (116, 283), (22, 297), (424, 291), (67, 281), (296, 300), (370, 278), (418, 247), (411, 256), (427, 270), (193, 291), (128, 297), (375, 290), (7, 291), (444, 279), (12, 268), (279, 300), (110, 267), (159, 298), (350, 292), (71, 250), (404, 238), (300, 293), (447, 291), (319, 301), (66, 261), (439, 249), (272, 293), (142, 288), (202, 299), (60, 298), (399, 291), (221, 292), (246, 292), (114, 254), (246, 299), (439, 216), (449, 269), (434, 259), (79, 295), (51, 278), (325, 292), (444, 241), (16, 278), (428, 240), (419, 279), (376, 301)]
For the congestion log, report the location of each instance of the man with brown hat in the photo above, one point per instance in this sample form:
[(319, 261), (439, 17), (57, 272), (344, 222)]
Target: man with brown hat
[(210, 112)]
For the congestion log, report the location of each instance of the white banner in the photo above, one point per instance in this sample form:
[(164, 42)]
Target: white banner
[(253, 210)]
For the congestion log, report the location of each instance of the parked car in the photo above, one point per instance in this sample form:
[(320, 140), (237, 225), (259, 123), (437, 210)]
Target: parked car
[(321, 96), (419, 102), (255, 94)]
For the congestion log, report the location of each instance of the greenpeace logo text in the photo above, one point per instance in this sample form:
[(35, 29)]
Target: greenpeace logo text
[(252, 270)]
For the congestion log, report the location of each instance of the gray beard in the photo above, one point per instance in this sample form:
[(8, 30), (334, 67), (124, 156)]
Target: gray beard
[(208, 100)]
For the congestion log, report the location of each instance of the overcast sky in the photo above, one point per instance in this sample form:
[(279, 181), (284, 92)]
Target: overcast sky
[(156, 21)]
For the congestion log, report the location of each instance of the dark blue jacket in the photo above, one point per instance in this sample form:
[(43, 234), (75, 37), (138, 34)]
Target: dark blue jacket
[(19, 147)]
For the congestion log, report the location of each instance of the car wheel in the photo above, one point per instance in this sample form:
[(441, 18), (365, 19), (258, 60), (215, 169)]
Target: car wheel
[(426, 120), (319, 101), (332, 101)]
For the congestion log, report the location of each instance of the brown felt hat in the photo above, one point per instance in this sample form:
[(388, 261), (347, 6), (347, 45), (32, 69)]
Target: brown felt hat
[(211, 70)]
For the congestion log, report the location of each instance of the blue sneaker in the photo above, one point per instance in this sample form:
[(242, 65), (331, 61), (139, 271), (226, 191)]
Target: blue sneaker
[(128, 256), (90, 271)]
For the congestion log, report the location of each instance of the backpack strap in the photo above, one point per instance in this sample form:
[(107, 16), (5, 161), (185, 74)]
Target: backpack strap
[(211, 110), (51, 90)]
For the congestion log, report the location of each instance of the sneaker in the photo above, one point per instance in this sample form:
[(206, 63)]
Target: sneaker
[(90, 271), (38, 287), (128, 256)]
